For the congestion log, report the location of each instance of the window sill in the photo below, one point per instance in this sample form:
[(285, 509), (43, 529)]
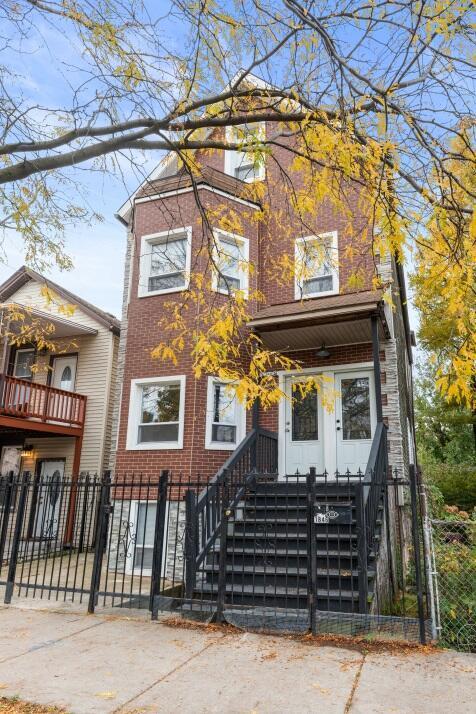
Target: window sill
[(155, 446), (228, 294), (309, 296), (166, 291), (226, 446)]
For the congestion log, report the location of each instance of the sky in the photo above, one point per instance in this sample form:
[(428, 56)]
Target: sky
[(97, 251)]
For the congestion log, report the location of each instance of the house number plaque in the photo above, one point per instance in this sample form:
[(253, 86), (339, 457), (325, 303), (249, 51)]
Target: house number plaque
[(326, 513)]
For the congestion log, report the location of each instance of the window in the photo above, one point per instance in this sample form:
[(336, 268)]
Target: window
[(138, 539), (231, 257), (24, 360), (165, 262), (156, 413), (242, 164), (316, 265), (226, 417)]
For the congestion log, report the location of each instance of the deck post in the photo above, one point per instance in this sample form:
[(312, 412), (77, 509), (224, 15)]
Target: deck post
[(376, 360), (69, 529)]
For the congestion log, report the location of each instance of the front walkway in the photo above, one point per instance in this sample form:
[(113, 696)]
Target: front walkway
[(115, 664)]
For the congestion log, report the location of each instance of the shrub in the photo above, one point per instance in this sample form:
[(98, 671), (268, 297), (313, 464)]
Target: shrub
[(456, 483)]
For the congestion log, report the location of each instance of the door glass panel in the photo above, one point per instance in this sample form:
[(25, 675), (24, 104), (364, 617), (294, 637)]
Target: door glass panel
[(355, 397), (66, 378), (304, 417)]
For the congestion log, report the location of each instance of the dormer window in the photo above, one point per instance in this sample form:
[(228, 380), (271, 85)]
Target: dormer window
[(165, 262), (242, 164), (316, 266)]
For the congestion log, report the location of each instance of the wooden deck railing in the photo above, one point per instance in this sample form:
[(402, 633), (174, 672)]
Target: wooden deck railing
[(29, 400)]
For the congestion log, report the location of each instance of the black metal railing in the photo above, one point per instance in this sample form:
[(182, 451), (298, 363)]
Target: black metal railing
[(268, 553), (257, 453), (369, 493)]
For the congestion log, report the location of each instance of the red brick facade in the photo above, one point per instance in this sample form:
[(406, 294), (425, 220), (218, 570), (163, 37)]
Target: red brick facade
[(267, 241)]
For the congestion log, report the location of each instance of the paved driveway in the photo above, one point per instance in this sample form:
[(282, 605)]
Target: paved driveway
[(102, 664)]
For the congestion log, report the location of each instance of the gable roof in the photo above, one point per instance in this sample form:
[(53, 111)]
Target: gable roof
[(164, 167), (206, 176), (23, 275)]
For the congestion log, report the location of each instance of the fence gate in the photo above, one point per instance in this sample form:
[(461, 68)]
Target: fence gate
[(47, 536)]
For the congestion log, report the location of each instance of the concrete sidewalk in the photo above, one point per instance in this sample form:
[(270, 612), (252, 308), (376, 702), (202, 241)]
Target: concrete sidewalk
[(99, 664)]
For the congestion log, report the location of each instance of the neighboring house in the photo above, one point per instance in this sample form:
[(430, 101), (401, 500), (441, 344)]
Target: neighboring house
[(56, 406), (166, 419)]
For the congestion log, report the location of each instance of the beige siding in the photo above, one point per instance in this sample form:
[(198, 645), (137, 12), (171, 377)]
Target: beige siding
[(95, 370), (54, 448)]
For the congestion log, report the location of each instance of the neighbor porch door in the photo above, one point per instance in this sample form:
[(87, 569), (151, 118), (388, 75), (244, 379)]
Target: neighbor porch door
[(49, 499)]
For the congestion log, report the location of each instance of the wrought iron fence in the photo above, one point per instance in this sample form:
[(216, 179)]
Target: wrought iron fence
[(454, 570), (293, 554)]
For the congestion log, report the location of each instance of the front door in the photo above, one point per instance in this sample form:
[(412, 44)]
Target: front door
[(302, 431), (48, 499), (64, 372), (355, 420)]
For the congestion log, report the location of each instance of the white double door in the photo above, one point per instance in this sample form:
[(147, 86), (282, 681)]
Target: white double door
[(335, 437)]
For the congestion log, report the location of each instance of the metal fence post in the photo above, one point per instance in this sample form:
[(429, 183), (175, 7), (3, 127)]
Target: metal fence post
[(416, 553), (311, 550), (16, 537), (100, 540), (6, 486), (190, 542), (363, 578), (225, 514), (159, 537)]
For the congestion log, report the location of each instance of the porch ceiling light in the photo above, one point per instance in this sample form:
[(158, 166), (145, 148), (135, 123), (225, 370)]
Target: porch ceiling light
[(27, 452), (323, 352)]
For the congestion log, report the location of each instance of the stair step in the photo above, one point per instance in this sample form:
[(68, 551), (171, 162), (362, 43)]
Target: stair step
[(280, 592), (268, 570), (282, 535)]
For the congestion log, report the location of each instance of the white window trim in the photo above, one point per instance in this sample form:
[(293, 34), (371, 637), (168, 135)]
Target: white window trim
[(135, 404), (335, 271), (240, 419), (147, 241), (230, 163), (244, 271), (15, 364)]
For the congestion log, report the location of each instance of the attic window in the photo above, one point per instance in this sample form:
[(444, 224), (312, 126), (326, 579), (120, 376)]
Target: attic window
[(242, 164)]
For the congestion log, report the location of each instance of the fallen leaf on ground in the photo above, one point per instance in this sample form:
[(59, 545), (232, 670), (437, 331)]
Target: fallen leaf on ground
[(106, 695), (269, 655), (322, 690)]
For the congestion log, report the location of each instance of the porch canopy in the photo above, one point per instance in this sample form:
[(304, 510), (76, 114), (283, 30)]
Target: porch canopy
[(331, 320), (63, 326)]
